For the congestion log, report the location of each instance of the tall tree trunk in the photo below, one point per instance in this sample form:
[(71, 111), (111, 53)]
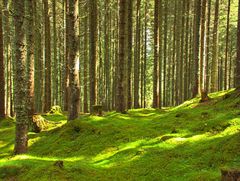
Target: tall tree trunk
[(130, 37), (202, 48), (85, 80), (55, 63), (182, 61), (187, 50), (196, 46), (47, 37), (137, 56), (7, 58), (21, 140), (174, 54), (238, 49), (178, 55), (145, 54), (38, 59), (30, 58), (121, 83), (207, 72), (93, 51), (214, 68), (165, 48), (156, 55), (66, 73), (226, 48), (73, 61), (2, 77), (106, 56), (160, 52)]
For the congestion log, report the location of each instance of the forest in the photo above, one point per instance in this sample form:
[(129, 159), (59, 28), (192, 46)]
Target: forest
[(105, 90)]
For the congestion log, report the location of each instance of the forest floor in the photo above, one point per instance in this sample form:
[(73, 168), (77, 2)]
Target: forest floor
[(190, 142)]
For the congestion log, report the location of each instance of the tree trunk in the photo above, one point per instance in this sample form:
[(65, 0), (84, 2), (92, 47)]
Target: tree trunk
[(2, 77), (207, 72), (137, 56), (156, 55), (47, 96), (165, 48), (73, 61), (214, 68), (226, 48), (130, 37), (66, 75), (196, 46), (30, 58), (85, 80), (20, 99), (93, 51), (38, 59), (202, 48), (121, 83), (238, 49), (55, 60)]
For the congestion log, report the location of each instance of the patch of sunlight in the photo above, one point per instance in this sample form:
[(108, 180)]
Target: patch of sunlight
[(229, 131), (30, 157), (104, 155), (104, 164), (221, 93), (199, 137), (187, 104), (143, 115), (33, 140), (103, 159), (74, 159), (96, 118), (161, 145), (123, 117), (180, 139)]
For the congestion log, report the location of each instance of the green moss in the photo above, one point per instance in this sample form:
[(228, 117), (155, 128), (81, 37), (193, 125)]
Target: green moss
[(190, 142)]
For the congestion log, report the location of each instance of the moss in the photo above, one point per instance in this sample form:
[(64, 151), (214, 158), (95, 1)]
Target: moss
[(190, 142)]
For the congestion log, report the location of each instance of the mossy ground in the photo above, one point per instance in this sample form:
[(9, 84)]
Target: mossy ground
[(190, 142)]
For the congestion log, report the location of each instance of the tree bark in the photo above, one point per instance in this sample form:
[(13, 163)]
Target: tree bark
[(238, 49), (21, 140), (85, 80), (121, 83), (30, 58), (93, 51), (38, 59), (47, 38), (2, 77), (214, 68), (137, 56), (156, 55), (55, 60), (202, 48), (130, 37), (73, 61), (196, 47)]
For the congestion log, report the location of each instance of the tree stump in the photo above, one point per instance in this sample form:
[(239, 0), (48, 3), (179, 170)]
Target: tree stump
[(38, 124), (204, 96), (97, 110), (230, 175)]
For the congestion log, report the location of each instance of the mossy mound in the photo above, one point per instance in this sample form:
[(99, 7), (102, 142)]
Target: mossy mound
[(192, 141)]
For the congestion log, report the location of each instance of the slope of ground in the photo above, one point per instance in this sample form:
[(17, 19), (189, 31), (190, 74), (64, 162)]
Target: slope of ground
[(190, 142)]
